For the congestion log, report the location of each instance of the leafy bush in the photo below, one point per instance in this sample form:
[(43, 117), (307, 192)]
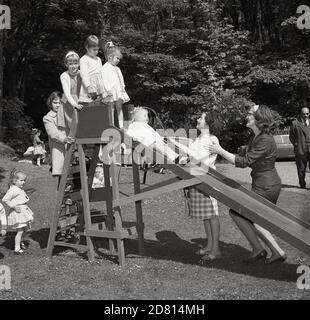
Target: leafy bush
[(17, 125)]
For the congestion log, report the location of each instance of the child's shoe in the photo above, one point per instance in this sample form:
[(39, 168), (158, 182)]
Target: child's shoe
[(181, 160), (19, 252), (159, 170), (23, 245)]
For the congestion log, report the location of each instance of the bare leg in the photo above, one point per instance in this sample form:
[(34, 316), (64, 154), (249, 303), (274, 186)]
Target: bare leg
[(212, 251), (119, 110), (248, 230), (18, 238), (215, 231), (112, 107), (25, 237), (207, 226)]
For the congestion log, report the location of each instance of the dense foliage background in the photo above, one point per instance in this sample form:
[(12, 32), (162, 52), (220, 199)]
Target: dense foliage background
[(180, 57)]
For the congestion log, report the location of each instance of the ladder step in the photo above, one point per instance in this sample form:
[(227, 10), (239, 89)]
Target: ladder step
[(73, 169), (117, 234), (67, 221), (74, 196), (100, 194), (71, 245), (67, 226)]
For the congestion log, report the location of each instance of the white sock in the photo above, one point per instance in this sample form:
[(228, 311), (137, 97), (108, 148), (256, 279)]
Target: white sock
[(17, 240)]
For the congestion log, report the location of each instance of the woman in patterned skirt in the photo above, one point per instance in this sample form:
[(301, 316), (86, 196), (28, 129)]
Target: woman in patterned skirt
[(202, 206)]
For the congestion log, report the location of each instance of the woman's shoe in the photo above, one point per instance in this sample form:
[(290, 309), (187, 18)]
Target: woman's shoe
[(272, 259), (211, 257), (202, 252), (261, 255)]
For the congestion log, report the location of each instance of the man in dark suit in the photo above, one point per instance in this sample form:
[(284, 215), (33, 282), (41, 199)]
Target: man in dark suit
[(300, 138)]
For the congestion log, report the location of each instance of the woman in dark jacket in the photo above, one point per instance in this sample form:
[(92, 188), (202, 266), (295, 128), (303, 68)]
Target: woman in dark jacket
[(260, 155)]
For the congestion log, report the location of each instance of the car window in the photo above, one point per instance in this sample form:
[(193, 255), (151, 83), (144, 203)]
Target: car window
[(286, 139), (278, 139)]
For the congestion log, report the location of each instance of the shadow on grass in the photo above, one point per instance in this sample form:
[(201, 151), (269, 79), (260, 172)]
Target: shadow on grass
[(170, 247), (40, 236), (290, 186)]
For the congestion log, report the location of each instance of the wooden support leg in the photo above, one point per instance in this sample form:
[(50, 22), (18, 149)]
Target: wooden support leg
[(93, 165), (60, 195), (86, 205), (138, 205), (117, 213), (109, 206), (145, 167), (120, 242)]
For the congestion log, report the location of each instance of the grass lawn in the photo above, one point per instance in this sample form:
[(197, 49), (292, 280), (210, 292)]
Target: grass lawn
[(169, 269)]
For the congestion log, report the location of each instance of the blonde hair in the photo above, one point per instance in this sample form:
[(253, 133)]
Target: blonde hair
[(91, 41), (136, 111), (71, 55), (110, 50), (14, 174)]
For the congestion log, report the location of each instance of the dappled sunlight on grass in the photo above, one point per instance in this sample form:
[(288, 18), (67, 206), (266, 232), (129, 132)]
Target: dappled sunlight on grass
[(168, 270)]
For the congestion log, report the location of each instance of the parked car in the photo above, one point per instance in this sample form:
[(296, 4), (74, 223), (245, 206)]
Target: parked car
[(285, 148)]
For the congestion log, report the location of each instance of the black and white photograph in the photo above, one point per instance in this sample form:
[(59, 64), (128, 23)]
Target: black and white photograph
[(156, 151)]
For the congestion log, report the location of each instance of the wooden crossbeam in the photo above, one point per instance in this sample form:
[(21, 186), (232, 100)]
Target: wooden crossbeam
[(180, 184), (72, 245)]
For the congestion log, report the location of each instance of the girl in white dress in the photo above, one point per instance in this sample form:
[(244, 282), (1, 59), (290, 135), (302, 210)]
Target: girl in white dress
[(90, 70), (71, 86), (38, 145), (20, 215), (113, 81)]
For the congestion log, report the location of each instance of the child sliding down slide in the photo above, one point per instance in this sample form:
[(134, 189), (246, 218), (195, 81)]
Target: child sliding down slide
[(140, 131)]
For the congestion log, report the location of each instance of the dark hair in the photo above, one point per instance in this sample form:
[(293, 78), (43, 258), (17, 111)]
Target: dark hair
[(264, 118), (212, 122), (110, 49), (91, 41), (52, 97)]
